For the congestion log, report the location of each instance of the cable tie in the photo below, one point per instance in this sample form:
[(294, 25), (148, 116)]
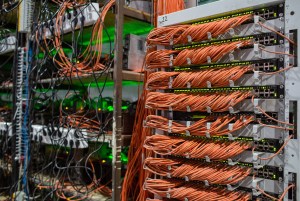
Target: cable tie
[(188, 123), (170, 126), (231, 57), (230, 126), (230, 137), (145, 123), (229, 187), (171, 82), (187, 155), (230, 162), (207, 134), (231, 83), (208, 59), (168, 195), (208, 125), (208, 109), (186, 178), (206, 183), (208, 83), (171, 41), (188, 85), (232, 111), (256, 155), (188, 61), (231, 32), (170, 108), (171, 60), (169, 175), (189, 38), (188, 108), (209, 37), (207, 159), (186, 199), (169, 167)]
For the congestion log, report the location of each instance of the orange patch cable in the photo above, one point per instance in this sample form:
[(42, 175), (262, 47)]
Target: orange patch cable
[(208, 126), (195, 148), (191, 191), (210, 102), (181, 34), (168, 58), (213, 173), (200, 79)]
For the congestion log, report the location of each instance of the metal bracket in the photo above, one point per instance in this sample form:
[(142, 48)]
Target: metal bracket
[(256, 182), (257, 52), (255, 132)]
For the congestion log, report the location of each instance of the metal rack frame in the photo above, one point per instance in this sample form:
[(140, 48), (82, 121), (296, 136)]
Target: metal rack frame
[(291, 153)]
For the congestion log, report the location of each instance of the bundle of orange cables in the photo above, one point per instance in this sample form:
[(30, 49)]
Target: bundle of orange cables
[(89, 60), (213, 173), (181, 34), (195, 148), (162, 7), (191, 191), (168, 58), (216, 102), (199, 79), (217, 126), (135, 175)]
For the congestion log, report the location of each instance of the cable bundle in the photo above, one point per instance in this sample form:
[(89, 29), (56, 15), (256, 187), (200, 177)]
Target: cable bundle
[(200, 79), (213, 173), (180, 34), (195, 148), (135, 176), (162, 7), (216, 102), (193, 192), (218, 126), (88, 61), (167, 58)]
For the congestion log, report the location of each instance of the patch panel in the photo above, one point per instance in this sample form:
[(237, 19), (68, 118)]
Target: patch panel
[(267, 13), (265, 92), (194, 116), (262, 145), (265, 65), (72, 20), (267, 39)]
